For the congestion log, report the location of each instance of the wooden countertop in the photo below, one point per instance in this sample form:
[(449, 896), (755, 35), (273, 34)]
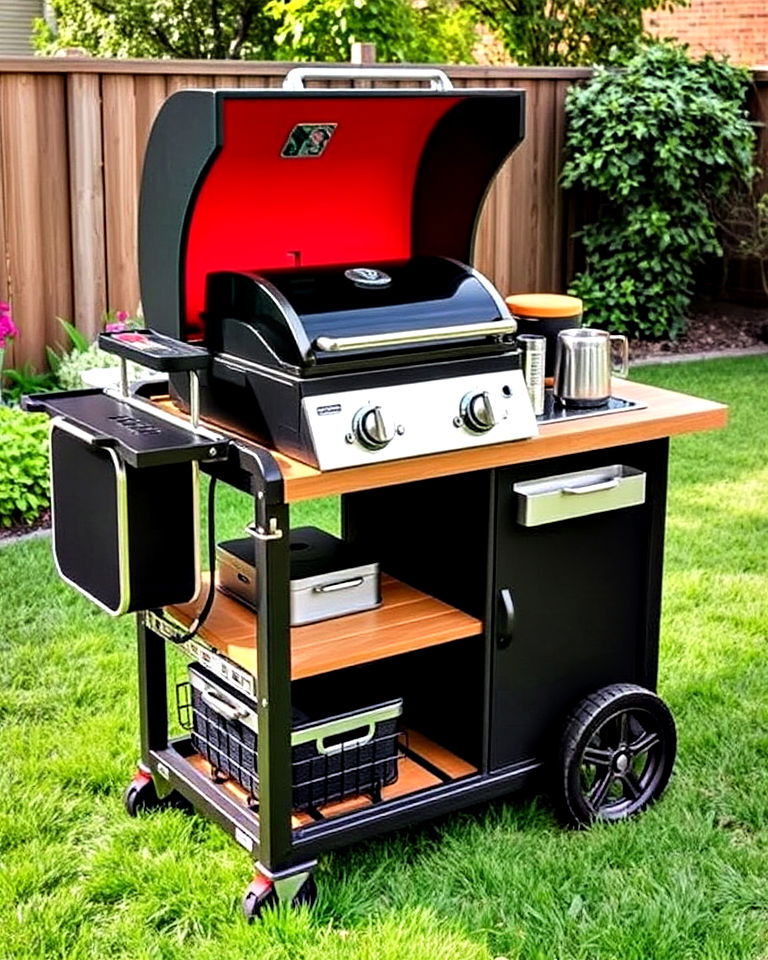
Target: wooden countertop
[(666, 413)]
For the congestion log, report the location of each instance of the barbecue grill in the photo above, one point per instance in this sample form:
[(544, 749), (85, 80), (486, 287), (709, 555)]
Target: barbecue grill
[(316, 243), (304, 260)]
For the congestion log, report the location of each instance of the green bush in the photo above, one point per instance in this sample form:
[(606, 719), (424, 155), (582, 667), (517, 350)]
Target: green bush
[(657, 143), (24, 490)]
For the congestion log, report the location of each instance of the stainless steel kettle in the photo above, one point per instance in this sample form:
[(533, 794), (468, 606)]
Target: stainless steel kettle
[(584, 365)]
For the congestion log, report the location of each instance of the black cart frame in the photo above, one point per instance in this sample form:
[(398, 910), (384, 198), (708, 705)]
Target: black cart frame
[(286, 855)]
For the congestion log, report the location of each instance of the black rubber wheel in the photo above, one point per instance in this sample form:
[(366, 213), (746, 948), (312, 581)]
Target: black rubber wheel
[(260, 895), (616, 755), (141, 796)]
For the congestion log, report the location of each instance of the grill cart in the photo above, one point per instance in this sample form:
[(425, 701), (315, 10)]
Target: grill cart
[(491, 609)]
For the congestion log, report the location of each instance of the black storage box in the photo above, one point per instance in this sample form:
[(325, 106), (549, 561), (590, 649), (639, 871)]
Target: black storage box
[(333, 758)]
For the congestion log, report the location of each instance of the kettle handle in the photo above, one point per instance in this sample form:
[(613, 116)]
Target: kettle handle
[(622, 370)]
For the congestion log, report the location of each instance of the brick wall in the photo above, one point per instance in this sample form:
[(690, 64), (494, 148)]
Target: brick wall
[(738, 28)]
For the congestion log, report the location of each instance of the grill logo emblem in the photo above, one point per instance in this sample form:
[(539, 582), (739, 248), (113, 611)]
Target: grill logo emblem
[(368, 277), (308, 139)]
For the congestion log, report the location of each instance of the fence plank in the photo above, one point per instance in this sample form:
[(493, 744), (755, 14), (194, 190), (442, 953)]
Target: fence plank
[(121, 177), (89, 269), (8, 358), (56, 278), (22, 174)]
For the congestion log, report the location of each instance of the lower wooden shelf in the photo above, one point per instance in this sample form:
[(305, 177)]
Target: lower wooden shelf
[(412, 777), (406, 620)]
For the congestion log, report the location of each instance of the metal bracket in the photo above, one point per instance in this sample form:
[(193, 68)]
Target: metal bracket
[(287, 883), (271, 533), (166, 629)]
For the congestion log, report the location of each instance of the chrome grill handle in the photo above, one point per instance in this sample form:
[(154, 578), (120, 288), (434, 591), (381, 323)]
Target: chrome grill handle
[(294, 79), (494, 328)]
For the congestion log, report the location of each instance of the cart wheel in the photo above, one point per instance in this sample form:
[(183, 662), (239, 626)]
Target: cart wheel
[(140, 796), (261, 894), (615, 757)]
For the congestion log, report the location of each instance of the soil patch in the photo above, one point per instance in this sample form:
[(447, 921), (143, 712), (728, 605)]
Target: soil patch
[(712, 327), (21, 529)]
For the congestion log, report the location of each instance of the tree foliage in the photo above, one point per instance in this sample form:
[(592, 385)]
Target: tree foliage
[(657, 143), (567, 32), (185, 29), (436, 30)]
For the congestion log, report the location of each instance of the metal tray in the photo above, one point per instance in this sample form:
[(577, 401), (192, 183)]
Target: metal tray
[(554, 412)]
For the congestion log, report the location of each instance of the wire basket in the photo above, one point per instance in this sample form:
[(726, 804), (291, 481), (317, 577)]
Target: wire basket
[(332, 759)]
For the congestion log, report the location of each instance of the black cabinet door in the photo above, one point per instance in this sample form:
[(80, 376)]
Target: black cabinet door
[(576, 602)]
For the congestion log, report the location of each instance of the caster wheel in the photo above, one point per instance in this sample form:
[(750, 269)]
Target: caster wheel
[(140, 796), (616, 755), (260, 894)]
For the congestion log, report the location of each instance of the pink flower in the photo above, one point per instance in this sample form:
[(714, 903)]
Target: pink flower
[(121, 316), (8, 329), (115, 327)]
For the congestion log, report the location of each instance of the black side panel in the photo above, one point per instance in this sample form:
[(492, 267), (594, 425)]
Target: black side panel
[(84, 495), (161, 535), (157, 541), (182, 143), (586, 599), (459, 162)]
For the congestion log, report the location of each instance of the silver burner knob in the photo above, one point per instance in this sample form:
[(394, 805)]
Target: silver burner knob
[(373, 428), (477, 412)]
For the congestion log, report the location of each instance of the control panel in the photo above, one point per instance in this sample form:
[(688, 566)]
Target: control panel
[(408, 420)]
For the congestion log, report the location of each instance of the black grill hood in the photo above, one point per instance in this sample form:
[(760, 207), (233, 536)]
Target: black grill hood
[(335, 316)]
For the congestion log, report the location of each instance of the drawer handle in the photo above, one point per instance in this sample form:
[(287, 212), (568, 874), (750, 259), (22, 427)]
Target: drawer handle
[(347, 744), (220, 704), (341, 585), (592, 487)]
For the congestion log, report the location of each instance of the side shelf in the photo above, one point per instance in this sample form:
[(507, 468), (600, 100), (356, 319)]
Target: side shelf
[(406, 620)]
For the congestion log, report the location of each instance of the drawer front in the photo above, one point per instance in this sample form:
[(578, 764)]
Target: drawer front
[(576, 601), (581, 493)]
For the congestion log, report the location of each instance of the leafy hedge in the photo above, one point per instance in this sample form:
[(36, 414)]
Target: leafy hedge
[(24, 489), (657, 143)]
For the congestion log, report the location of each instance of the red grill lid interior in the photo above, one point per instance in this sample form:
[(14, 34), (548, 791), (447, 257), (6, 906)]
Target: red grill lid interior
[(379, 175)]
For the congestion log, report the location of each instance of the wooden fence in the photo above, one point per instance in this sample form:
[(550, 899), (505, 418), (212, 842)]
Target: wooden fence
[(72, 135)]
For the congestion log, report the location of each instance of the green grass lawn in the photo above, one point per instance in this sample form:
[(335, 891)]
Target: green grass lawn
[(689, 879)]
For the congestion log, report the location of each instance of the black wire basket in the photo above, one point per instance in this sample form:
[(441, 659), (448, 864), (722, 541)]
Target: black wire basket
[(334, 758)]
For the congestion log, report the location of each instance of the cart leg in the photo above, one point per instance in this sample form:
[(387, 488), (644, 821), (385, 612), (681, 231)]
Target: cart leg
[(141, 795), (145, 791), (296, 888)]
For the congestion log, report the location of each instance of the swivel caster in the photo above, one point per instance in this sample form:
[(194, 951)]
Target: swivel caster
[(260, 894), (141, 796), (616, 755)]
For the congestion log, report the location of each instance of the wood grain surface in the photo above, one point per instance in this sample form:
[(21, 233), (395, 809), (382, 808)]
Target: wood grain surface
[(406, 620)]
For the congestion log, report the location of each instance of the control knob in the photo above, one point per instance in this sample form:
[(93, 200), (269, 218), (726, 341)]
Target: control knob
[(477, 412), (373, 428)]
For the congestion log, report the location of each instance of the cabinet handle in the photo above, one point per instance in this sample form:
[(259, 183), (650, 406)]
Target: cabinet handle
[(506, 618), (593, 487)]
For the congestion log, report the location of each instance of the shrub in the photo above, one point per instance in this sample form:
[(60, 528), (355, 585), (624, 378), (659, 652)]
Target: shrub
[(24, 490), (657, 143)]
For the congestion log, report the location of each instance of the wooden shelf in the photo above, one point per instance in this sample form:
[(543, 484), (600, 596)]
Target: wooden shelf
[(406, 620), (412, 777)]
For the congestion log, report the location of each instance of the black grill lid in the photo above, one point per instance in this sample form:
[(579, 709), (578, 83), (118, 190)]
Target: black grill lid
[(320, 314)]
